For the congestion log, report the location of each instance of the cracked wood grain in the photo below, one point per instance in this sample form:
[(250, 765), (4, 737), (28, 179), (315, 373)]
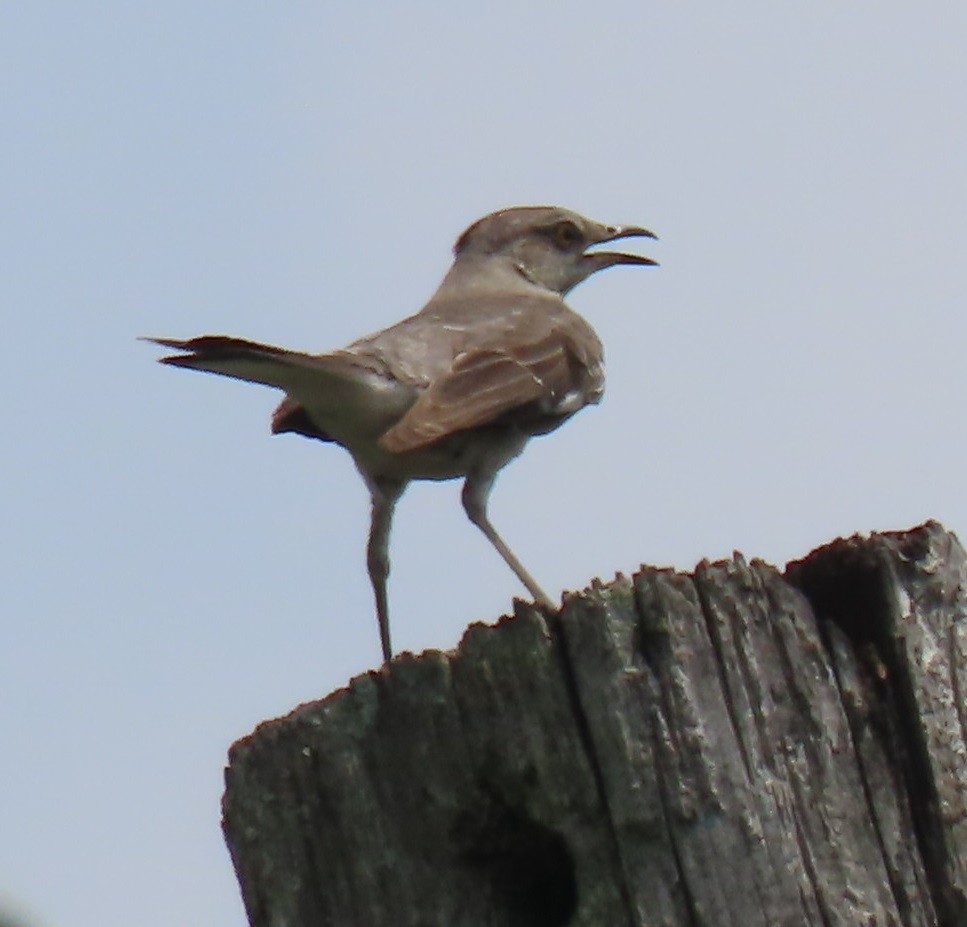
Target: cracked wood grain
[(732, 746)]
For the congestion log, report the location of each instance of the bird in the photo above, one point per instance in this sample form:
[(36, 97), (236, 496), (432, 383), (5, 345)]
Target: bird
[(495, 358)]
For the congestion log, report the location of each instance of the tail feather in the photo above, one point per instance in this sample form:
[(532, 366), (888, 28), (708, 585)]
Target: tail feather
[(236, 357), (247, 360), (340, 392)]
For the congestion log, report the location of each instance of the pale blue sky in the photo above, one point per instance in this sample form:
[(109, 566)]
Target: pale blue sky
[(297, 173)]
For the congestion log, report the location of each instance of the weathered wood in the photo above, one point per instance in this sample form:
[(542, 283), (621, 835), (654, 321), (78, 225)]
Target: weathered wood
[(730, 747)]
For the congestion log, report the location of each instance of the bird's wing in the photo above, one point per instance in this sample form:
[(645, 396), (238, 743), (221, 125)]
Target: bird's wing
[(291, 416), (484, 384)]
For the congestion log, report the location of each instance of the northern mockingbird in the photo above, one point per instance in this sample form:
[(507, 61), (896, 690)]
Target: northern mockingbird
[(494, 358)]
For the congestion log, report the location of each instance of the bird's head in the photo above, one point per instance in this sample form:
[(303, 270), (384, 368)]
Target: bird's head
[(548, 245)]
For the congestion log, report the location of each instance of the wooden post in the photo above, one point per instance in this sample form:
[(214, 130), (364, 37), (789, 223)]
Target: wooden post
[(735, 746)]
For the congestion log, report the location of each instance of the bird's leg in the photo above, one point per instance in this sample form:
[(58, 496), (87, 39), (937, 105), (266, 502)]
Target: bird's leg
[(476, 491), (384, 494)]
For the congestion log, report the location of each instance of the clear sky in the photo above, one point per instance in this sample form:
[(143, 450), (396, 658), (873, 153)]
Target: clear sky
[(297, 173)]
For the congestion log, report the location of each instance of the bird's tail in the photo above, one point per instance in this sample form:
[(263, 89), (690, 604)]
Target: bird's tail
[(331, 389), (235, 357)]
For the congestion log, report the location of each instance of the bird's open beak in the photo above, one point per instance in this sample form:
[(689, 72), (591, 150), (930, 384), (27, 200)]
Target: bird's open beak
[(602, 259)]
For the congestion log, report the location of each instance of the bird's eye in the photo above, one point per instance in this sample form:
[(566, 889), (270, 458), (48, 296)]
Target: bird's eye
[(566, 235)]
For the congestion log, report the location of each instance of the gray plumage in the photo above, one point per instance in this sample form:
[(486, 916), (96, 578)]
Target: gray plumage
[(494, 358)]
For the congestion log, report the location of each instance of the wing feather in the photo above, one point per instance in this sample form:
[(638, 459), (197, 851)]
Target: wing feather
[(480, 387)]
